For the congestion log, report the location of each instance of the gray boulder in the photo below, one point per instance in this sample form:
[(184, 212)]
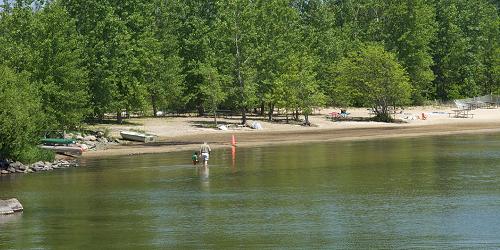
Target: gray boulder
[(16, 164), (102, 140), (11, 169), (90, 138), (4, 172), (13, 204), (37, 168), (10, 206), (5, 208)]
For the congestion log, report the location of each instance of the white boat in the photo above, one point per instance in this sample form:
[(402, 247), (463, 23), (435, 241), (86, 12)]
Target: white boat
[(136, 136)]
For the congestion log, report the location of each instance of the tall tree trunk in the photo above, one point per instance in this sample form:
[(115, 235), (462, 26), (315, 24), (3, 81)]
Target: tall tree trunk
[(100, 116), (119, 118), (153, 102), (238, 70), (214, 107), (200, 110), (271, 110), (243, 116), (262, 108)]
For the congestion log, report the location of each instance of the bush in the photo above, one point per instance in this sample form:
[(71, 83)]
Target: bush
[(33, 154), (383, 117), (20, 116), (374, 78)]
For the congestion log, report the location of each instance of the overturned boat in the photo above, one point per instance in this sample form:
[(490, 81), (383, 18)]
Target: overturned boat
[(137, 136), (65, 150)]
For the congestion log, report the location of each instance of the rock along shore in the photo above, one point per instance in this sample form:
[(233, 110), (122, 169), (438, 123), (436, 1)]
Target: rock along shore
[(10, 206), (12, 167)]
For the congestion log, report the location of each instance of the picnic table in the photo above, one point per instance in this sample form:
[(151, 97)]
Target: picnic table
[(476, 104), (461, 113), (491, 105)]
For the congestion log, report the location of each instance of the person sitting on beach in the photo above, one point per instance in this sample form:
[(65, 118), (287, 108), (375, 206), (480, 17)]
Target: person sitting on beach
[(344, 113), (195, 158), (205, 152)]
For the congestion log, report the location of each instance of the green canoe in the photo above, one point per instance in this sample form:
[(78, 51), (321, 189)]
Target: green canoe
[(57, 141)]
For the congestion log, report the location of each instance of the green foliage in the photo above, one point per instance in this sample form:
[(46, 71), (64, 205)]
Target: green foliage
[(233, 49), (31, 154), (299, 87), (89, 58), (468, 35), (212, 88), (278, 34), (58, 69), (372, 77), (20, 115), (410, 28)]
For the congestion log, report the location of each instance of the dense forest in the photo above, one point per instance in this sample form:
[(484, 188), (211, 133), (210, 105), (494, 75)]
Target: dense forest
[(63, 62)]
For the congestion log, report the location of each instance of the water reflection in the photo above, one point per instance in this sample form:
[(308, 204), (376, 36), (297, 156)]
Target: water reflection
[(233, 159), (204, 173), (5, 220), (405, 193)]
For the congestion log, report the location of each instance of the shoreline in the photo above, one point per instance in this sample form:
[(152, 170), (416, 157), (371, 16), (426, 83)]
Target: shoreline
[(255, 138)]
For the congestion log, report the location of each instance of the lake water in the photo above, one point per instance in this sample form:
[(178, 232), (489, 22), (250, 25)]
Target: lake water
[(441, 192)]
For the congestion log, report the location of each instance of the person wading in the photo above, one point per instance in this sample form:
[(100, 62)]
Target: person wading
[(205, 153)]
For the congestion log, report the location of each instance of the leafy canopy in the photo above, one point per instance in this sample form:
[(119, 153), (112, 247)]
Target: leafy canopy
[(372, 77)]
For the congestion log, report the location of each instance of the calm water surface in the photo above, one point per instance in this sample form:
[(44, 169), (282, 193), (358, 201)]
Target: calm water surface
[(439, 192)]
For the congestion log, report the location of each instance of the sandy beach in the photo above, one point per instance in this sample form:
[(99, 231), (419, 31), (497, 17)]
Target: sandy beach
[(186, 133)]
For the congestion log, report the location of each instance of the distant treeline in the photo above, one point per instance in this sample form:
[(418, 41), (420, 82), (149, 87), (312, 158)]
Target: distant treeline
[(65, 61)]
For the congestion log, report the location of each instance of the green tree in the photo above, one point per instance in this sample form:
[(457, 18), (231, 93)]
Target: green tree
[(59, 68), (301, 90), (212, 88), (322, 37), (277, 34), (233, 49), (163, 65), (372, 77), (116, 39), (195, 41), (409, 29), (17, 31), (495, 72), (465, 51), (21, 118)]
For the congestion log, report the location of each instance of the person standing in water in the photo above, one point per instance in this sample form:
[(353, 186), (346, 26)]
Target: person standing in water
[(205, 153), (195, 158)]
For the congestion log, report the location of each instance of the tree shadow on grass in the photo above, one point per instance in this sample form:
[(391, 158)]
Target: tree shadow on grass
[(210, 124), (111, 122)]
